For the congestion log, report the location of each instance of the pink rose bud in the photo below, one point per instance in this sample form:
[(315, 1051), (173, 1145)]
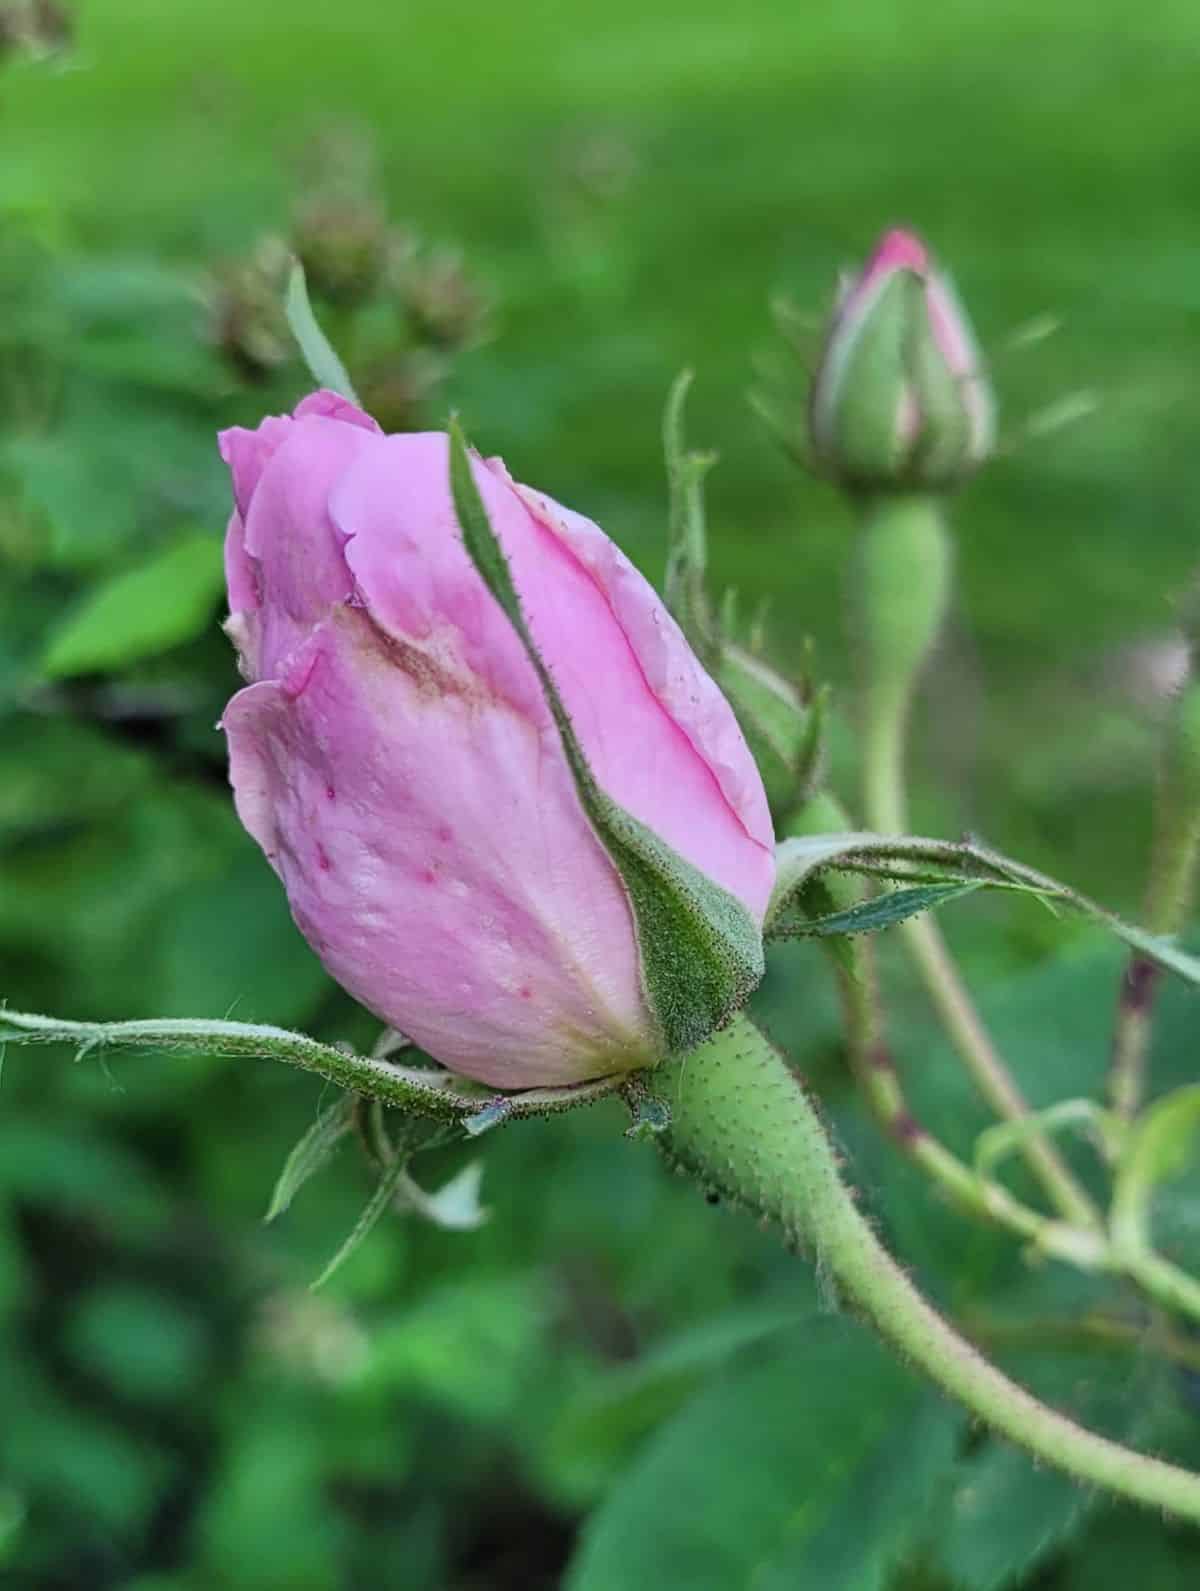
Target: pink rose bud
[(513, 815), (900, 400)]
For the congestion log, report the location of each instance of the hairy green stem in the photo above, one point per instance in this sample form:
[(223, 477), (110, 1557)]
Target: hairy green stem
[(853, 965), (743, 1126), (1131, 1036), (876, 1071), (425, 1091), (901, 591), (1168, 896)]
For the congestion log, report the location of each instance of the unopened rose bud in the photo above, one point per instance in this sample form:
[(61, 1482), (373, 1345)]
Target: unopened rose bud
[(513, 815), (900, 400), (342, 241), (444, 307), (398, 388), (42, 27), (248, 322)]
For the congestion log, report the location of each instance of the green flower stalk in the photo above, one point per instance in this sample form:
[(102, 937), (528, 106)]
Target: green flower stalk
[(742, 1124), (900, 413), (1168, 890), (852, 962)]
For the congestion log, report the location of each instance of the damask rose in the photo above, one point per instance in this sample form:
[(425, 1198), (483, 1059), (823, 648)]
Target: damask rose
[(529, 916)]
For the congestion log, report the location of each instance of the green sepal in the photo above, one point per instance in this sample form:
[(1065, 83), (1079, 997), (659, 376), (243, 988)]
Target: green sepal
[(862, 388), (454, 1207), (942, 450), (781, 725), (874, 915), (324, 365), (701, 952), (684, 588), (311, 1153)]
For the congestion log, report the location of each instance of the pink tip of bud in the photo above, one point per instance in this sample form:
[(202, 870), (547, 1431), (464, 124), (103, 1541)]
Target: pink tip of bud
[(897, 250)]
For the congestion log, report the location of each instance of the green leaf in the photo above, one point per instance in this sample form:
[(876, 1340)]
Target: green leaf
[(1157, 1148), (228, 942), (310, 1154), (797, 859), (141, 613), (12, 1520), (1131, 1547), (141, 1342), (78, 1464), (884, 911), (815, 1468), (599, 1428), (62, 1164), (701, 952), (1003, 1517), (376, 1207), (263, 1522), (326, 369), (469, 1346)]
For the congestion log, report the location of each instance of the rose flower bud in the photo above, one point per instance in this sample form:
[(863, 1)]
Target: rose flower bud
[(900, 400), (513, 815)]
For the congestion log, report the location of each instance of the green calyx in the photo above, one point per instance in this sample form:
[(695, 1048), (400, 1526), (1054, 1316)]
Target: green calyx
[(701, 952), (784, 725), (888, 412), (783, 721), (864, 385)]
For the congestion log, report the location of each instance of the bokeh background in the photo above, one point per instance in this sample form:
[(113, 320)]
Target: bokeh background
[(556, 207)]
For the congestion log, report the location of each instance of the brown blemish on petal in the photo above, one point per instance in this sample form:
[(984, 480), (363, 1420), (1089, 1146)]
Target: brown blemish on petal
[(431, 677)]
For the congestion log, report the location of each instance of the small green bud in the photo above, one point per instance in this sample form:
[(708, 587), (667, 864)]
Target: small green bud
[(899, 401)]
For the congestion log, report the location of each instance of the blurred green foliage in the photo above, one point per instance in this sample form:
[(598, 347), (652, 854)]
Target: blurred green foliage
[(629, 184)]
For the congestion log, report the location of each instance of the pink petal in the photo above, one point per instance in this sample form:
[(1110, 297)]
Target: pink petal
[(439, 872), (665, 743)]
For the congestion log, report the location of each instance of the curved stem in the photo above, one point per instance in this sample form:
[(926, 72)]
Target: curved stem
[(852, 961), (1163, 1281), (970, 1037), (1168, 897), (426, 1091), (875, 1069), (742, 1124), (1131, 1036), (903, 581)]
